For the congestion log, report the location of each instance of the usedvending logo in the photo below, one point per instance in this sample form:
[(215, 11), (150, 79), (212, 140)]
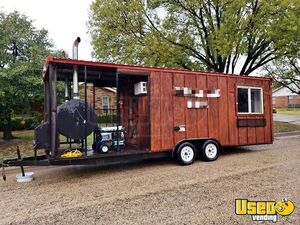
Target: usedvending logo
[(264, 210)]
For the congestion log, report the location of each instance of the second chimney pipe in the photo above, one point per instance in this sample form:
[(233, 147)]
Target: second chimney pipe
[(75, 73)]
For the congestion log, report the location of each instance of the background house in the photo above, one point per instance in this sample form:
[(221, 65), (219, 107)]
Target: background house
[(105, 99), (284, 98)]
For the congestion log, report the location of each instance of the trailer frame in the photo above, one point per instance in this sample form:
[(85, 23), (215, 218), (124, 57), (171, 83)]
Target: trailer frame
[(55, 67)]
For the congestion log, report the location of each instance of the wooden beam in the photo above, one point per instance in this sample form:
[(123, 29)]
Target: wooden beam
[(53, 134)]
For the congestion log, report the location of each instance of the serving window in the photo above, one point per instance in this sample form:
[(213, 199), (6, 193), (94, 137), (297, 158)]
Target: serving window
[(250, 100)]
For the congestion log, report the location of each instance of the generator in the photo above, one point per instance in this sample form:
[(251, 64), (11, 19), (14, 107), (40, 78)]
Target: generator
[(109, 138)]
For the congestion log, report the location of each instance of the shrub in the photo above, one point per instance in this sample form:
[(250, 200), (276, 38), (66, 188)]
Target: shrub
[(107, 118), (22, 123)]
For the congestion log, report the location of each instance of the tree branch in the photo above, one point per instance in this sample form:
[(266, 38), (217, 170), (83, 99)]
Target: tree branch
[(196, 53)]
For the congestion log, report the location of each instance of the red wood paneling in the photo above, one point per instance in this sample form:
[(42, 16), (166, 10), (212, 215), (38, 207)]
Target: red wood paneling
[(155, 105), (213, 109), (233, 134), (270, 112), (267, 110), (223, 111), (202, 122), (179, 104), (218, 121), (190, 114), (260, 132), (134, 115), (167, 93), (143, 121)]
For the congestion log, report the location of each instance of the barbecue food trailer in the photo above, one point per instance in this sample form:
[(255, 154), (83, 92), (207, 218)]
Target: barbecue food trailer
[(159, 113)]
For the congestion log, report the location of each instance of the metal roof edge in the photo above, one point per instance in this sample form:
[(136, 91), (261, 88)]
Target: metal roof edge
[(51, 59)]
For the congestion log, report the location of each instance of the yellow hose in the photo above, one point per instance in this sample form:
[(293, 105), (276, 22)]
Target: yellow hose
[(71, 154)]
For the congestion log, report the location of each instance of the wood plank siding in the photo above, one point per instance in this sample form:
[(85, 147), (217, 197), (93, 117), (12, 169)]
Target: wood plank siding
[(218, 121)]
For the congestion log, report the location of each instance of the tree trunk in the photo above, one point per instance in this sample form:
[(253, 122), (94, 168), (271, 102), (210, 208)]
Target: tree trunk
[(7, 129)]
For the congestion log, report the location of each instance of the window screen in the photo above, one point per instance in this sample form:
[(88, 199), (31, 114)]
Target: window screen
[(243, 105), (249, 100), (256, 101), (290, 99), (105, 102)]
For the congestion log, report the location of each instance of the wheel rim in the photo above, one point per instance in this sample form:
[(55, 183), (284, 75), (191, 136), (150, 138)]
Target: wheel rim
[(187, 154), (211, 151), (104, 149)]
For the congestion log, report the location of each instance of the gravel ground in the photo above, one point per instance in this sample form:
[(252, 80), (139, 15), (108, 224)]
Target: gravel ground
[(157, 191)]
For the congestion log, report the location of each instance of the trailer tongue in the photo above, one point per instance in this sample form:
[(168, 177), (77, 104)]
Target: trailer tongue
[(112, 158)]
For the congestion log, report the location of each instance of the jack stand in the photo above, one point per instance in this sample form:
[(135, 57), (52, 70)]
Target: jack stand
[(19, 157), (3, 172), (23, 177)]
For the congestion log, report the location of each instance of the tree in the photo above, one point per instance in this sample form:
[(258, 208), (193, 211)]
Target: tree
[(194, 34), (286, 72), (285, 69), (23, 49)]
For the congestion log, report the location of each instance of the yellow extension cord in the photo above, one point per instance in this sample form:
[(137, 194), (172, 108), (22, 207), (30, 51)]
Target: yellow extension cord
[(72, 154)]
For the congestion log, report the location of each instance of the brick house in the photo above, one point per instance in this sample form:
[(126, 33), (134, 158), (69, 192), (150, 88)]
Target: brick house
[(283, 98), (105, 98)]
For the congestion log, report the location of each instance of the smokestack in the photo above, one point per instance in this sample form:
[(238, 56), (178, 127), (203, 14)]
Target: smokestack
[(75, 73), (67, 97)]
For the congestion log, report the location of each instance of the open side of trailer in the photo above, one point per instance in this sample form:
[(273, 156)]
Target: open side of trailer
[(159, 113)]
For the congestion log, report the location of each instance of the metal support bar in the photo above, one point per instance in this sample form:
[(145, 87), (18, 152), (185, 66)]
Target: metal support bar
[(68, 142), (94, 106), (86, 112), (70, 97), (46, 100), (118, 109), (70, 89)]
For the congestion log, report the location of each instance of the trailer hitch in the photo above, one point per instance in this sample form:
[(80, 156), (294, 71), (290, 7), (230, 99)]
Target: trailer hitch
[(3, 165)]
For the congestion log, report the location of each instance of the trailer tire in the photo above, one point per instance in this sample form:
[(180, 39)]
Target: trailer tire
[(186, 153), (210, 150)]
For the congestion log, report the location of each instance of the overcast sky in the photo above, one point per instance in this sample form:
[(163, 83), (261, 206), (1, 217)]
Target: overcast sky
[(64, 19)]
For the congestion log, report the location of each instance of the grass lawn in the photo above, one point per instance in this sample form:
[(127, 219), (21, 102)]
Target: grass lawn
[(285, 127), (24, 139), (289, 111)]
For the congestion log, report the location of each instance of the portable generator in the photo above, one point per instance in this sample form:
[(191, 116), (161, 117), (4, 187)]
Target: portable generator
[(107, 138)]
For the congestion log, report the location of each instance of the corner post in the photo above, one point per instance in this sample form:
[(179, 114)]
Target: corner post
[(53, 133), (118, 108), (86, 112)]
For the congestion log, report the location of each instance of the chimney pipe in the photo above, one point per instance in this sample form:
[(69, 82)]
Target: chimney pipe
[(67, 97), (75, 73)]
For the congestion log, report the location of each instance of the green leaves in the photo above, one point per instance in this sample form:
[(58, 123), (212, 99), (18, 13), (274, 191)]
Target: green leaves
[(23, 49), (286, 71), (214, 34)]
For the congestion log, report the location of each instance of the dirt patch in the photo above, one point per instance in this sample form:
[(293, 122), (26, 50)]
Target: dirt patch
[(23, 139), (158, 191)]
